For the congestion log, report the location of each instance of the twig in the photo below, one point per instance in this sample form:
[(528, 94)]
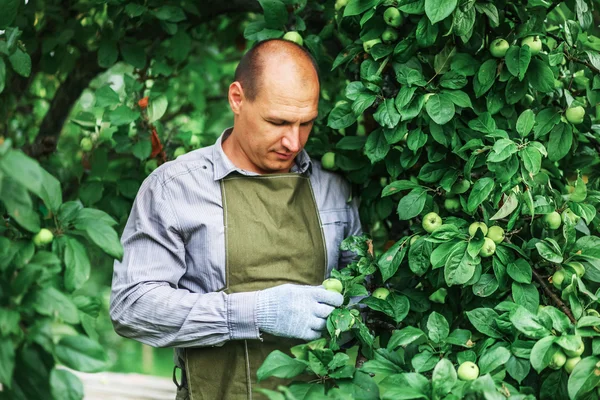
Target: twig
[(553, 296)]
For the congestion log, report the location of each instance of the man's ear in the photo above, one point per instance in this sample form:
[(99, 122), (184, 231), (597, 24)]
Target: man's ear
[(236, 97)]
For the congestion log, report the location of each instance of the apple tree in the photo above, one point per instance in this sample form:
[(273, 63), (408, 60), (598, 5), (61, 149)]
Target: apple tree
[(468, 129)]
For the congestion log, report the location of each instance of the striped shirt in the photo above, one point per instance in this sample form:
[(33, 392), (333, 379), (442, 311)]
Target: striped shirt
[(166, 290)]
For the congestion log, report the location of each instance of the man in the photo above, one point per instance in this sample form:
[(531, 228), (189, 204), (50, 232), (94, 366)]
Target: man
[(226, 247)]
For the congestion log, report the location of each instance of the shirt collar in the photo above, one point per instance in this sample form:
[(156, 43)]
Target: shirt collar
[(222, 165)]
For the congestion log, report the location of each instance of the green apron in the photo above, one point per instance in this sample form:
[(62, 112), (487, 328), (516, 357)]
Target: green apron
[(273, 236)]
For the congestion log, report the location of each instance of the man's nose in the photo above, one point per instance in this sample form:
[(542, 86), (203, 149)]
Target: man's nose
[(291, 140)]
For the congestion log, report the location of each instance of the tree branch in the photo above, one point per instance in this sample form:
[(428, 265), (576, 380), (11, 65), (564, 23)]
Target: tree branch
[(553, 296)]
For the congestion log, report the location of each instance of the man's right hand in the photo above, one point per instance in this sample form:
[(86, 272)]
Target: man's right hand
[(296, 311)]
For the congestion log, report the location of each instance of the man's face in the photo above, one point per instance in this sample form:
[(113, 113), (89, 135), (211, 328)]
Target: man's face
[(273, 128)]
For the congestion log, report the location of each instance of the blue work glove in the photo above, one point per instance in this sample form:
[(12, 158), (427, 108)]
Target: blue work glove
[(296, 311)]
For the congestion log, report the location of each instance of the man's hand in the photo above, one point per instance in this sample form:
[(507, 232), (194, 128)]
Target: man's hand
[(296, 311)]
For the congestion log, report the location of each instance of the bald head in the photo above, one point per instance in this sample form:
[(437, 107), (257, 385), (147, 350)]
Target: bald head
[(276, 60)]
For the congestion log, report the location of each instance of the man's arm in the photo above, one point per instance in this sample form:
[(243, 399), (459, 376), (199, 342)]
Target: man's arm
[(146, 304)]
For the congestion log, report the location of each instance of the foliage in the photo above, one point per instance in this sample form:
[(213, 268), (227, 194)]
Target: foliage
[(446, 119), (428, 122)]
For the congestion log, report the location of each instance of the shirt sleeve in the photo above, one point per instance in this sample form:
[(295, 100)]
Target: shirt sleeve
[(146, 303), (354, 229)]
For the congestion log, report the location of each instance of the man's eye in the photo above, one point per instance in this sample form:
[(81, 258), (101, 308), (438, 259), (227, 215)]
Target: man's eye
[(276, 123)]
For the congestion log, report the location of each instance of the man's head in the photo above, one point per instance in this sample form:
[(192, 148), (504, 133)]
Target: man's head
[(275, 100)]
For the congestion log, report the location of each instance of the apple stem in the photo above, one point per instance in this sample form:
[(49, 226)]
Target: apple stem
[(553, 296)]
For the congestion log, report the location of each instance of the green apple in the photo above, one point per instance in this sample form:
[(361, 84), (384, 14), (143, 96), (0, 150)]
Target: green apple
[(86, 144), (558, 360), (295, 37), (468, 371), (389, 35), (333, 285), (499, 47), (339, 4), (452, 205), (558, 278), (439, 296), (496, 233), (460, 186), (571, 363), (488, 249), (552, 220), (577, 268), (43, 237), (328, 161), (368, 45), (575, 114), (150, 166), (393, 17), (414, 239), (431, 222), (179, 151), (381, 293), (576, 353), (478, 225), (534, 43)]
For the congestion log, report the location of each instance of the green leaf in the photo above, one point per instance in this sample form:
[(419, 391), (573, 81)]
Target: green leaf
[(484, 320), (18, 205), (7, 361), (418, 256), (24, 170), (493, 359), (377, 146), (9, 12), (444, 377), (532, 159), (527, 323), (520, 271), (391, 259), (170, 14), (560, 142), (440, 108), (134, 10), (105, 96), (351, 143), (104, 237), (545, 120), (510, 205), (405, 336), (157, 108), (540, 76), (65, 386), (356, 7), (341, 116), (81, 353), (400, 306), (280, 365), (458, 97), (134, 54), (459, 267), (525, 122), (387, 115), (584, 377), (77, 264), (479, 192), (397, 186), (438, 328), (123, 115), (51, 191), (2, 75), (517, 60), (142, 149), (549, 252), (503, 149), (526, 295), (542, 352), (412, 204), (49, 301), (21, 62), (108, 53), (437, 10), (486, 286)]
